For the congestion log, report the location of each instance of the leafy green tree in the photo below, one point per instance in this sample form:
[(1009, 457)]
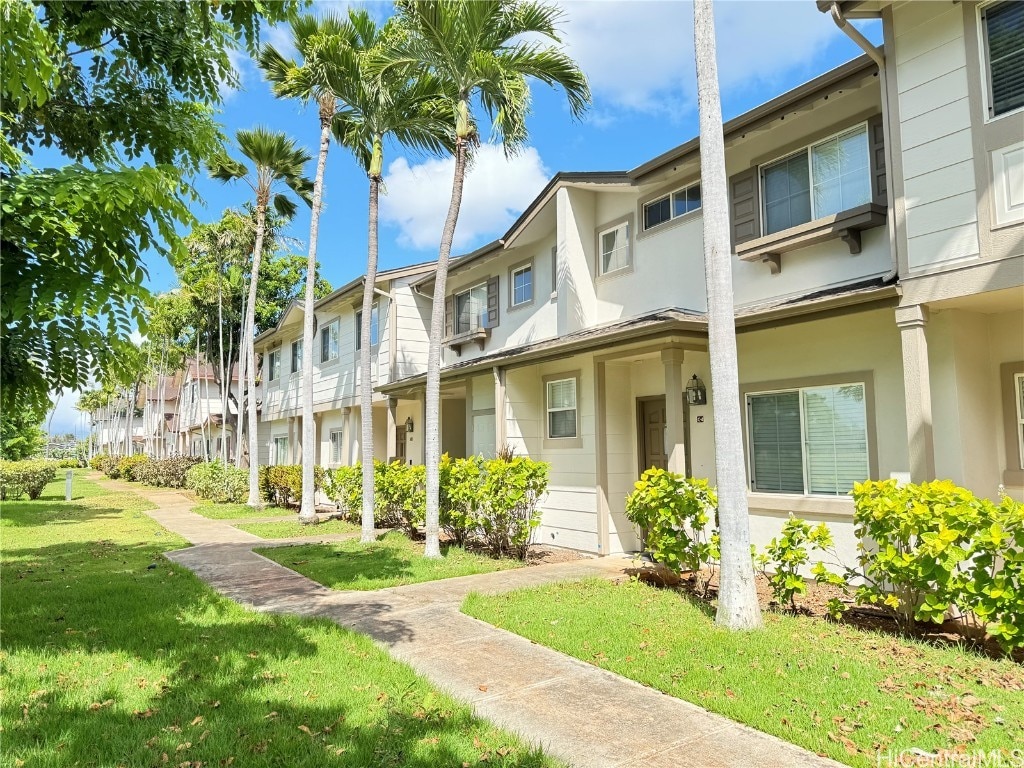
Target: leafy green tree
[(21, 434), (276, 161), (105, 84), (484, 52)]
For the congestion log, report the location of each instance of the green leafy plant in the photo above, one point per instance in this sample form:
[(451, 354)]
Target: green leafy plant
[(165, 473), (459, 496), (127, 466), (508, 513), (399, 494), (922, 537), (674, 513), (785, 556), (30, 476), (218, 482), (282, 484)]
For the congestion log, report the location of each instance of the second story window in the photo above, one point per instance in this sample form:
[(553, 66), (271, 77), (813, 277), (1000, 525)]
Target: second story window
[(374, 327), (329, 342), (615, 249), (671, 206), (471, 309), (274, 365), (1003, 31), (296, 356), (521, 285), (824, 179)]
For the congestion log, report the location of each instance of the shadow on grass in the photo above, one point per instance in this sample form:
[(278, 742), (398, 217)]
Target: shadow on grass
[(30, 513), (114, 662)]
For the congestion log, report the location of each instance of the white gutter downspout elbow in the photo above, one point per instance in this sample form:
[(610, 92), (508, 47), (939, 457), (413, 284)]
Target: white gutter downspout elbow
[(876, 56)]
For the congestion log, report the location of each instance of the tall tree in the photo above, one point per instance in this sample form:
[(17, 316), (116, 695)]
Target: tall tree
[(124, 91), (737, 596), (306, 82), (276, 161), (483, 52)]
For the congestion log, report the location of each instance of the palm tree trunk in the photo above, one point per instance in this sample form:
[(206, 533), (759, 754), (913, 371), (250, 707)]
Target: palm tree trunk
[(432, 431), (243, 367), (223, 457), (737, 597), (250, 350), (307, 511), (365, 384)]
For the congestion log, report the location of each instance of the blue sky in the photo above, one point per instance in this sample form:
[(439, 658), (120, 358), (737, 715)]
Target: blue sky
[(638, 56)]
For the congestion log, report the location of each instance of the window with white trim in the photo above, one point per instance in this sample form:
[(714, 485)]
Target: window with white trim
[(561, 407), (822, 179), (1002, 26), (274, 365), (374, 327), (329, 336), (671, 206), (335, 438), (810, 440), (280, 451), (296, 356), (471, 309), (616, 252), (1018, 391), (521, 285)]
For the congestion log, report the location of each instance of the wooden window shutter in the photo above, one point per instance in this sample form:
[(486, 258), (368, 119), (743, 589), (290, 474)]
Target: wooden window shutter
[(449, 317), (876, 145), (745, 204), (492, 301)]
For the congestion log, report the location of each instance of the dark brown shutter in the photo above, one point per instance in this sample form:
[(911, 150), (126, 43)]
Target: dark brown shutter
[(745, 204), (876, 145), (449, 317), (492, 302)]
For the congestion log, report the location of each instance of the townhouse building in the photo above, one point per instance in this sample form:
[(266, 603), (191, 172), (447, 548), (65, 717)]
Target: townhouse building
[(201, 424), (877, 219), (398, 340)]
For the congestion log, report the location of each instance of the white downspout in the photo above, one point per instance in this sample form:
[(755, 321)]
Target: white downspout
[(876, 56)]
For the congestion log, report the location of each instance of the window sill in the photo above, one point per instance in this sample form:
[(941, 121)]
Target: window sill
[(620, 272), (479, 335), (800, 504), (845, 226)]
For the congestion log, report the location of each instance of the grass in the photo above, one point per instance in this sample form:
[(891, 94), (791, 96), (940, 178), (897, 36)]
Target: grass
[(833, 689), (240, 511), (108, 662), (391, 561), (288, 529)]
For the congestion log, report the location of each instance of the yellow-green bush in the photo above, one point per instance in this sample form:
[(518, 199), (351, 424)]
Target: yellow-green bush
[(127, 466), (282, 484), (18, 478)]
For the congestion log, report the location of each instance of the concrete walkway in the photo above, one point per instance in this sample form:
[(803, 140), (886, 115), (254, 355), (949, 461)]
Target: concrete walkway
[(580, 713)]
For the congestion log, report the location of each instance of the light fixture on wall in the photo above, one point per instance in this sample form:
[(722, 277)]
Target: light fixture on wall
[(696, 392), (408, 425)]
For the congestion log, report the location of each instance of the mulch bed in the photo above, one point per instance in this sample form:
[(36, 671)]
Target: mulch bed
[(814, 604)]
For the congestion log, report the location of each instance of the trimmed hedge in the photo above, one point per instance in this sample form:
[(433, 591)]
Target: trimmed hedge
[(129, 465), (281, 484), (18, 478), (165, 473), (218, 483)]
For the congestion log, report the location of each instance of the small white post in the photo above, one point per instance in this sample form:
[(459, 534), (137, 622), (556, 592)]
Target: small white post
[(67, 485)]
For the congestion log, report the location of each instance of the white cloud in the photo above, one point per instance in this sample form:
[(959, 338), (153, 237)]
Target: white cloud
[(280, 36), (497, 190), (241, 63), (639, 55)]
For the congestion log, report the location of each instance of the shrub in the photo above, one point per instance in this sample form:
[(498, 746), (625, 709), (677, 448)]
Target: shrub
[(127, 466), (68, 464), (282, 484), (345, 486), (923, 536), (399, 494), (674, 512), (786, 554), (106, 464), (25, 477), (218, 482), (165, 473), (459, 494)]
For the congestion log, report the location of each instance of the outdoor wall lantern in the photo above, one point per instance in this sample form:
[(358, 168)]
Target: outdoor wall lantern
[(696, 392), (408, 425)]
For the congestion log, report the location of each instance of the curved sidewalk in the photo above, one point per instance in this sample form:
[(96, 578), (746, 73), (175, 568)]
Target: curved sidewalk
[(585, 715)]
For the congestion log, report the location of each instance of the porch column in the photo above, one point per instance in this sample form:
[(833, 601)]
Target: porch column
[(675, 443), (317, 445), (392, 442), (917, 391), (500, 427), (346, 437)]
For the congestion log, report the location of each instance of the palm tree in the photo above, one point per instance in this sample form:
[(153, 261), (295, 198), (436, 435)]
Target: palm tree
[(276, 160), (737, 597), (306, 82), (412, 111), (483, 52)]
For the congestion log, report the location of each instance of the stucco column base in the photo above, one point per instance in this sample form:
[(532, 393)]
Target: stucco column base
[(911, 321), (675, 431)]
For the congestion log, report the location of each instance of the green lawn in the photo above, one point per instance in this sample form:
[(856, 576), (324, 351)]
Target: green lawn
[(240, 511), (288, 529), (107, 662), (830, 688), (391, 561)]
